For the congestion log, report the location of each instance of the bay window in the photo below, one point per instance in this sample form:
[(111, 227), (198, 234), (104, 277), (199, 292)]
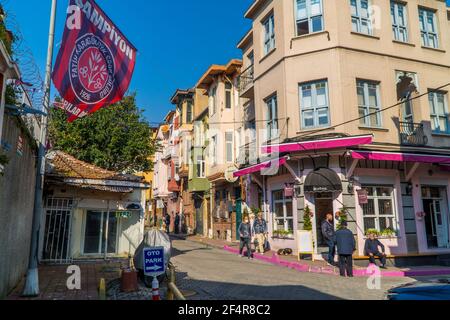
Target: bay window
[(361, 17), (369, 103)]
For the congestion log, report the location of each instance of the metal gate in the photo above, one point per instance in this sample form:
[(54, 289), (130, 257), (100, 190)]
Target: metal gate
[(58, 225)]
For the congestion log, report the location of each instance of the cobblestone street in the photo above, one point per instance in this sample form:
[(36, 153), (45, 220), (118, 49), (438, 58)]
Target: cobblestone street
[(215, 274)]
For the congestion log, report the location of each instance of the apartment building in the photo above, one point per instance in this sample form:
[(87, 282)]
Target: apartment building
[(199, 184), (221, 85), (351, 112), (188, 104)]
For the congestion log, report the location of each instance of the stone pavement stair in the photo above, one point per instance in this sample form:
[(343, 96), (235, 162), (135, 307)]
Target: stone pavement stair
[(321, 267)]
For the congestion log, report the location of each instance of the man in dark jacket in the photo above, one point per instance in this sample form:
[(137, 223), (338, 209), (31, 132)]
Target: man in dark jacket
[(167, 222), (346, 245), (245, 233), (329, 234), (177, 223), (372, 249)]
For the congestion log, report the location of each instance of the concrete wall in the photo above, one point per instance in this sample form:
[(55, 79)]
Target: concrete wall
[(16, 207)]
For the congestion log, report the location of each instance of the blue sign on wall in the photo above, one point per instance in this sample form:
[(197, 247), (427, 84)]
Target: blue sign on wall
[(154, 264)]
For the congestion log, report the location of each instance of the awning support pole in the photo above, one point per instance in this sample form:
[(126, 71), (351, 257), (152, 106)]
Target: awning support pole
[(352, 168), (293, 173), (411, 172)]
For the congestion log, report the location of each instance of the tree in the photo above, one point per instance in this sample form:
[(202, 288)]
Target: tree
[(307, 223), (115, 138)]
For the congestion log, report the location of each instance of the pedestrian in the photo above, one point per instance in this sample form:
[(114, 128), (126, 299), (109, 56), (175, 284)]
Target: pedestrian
[(260, 230), (245, 234), (329, 235), (177, 223), (346, 246), (372, 250), (167, 222)]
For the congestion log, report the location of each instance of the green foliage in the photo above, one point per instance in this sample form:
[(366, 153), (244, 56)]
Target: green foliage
[(115, 138), (6, 37), (10, 95), (373, 231), (343, 217), (283, 234), (3, 161), (307, 222)]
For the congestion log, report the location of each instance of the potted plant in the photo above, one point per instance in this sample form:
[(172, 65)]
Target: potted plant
[(372, 231), (307, 219), (388, 233), (341, 216)]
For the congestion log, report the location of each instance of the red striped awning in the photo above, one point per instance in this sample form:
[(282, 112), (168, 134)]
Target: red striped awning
[(334, 143), (261, 166)]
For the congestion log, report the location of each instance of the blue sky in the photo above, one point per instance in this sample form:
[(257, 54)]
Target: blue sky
[(177, 40)]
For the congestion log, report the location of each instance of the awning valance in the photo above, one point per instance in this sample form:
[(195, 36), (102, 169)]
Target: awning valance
[(400, 157), (319, 144), (259, 167), (323, 180)]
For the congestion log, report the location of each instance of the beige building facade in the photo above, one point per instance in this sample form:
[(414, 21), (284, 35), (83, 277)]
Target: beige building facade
[(358, 88)]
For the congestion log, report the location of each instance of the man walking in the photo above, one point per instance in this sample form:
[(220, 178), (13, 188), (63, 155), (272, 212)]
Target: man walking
[(372, 249), (329, 234), (167, 222), (245, 233), (346, 245), (177, 223), (260, 229)]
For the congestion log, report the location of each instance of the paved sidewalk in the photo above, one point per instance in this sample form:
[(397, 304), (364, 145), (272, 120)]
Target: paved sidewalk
[(53, 279), (321, 266)]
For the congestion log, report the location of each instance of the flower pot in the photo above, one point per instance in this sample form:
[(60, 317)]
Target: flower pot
[(129, 281)]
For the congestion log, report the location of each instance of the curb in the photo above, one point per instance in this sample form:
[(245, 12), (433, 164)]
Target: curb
[(275, 260)]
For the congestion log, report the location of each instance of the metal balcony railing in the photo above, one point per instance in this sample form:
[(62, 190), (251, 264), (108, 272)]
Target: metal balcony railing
[(246, 79), (412, 134)]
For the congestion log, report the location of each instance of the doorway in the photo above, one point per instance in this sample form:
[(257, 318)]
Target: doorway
[(100, 235), (324, 205), (436, 219)]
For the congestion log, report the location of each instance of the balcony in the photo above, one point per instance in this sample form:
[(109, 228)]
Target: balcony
[(246, 82), (248, 154), (413, 134)]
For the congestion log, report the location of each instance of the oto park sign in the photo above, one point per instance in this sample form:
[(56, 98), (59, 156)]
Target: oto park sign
[(154, 264)]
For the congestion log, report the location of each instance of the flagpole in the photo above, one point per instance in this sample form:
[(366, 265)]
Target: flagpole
[(31, 288)]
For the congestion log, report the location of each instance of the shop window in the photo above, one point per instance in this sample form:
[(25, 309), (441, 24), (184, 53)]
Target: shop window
[(380, 212), (282, 209)]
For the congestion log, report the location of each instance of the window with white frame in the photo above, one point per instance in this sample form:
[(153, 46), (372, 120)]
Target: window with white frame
[(361, 17), (369, 103), (439, 112), (309, 16), (228, 95), (399, 21), (314, 104), (213, 100), (189, 112), (213, 152), (283, 212), (269, 34), (428, 28), (407, 106), (201, 173), (272, 117), (229, 146), (380, 212)]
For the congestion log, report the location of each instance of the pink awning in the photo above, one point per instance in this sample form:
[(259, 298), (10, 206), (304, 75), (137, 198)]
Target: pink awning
[(400, 157), (319, 144), (257, 168)]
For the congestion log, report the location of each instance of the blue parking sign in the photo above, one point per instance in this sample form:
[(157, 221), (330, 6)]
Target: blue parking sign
[(154, 264)]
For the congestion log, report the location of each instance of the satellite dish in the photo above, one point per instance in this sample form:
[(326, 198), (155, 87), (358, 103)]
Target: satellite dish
[(229, 174)]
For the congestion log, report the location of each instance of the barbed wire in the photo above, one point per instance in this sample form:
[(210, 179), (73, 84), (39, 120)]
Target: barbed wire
[(24, 58)]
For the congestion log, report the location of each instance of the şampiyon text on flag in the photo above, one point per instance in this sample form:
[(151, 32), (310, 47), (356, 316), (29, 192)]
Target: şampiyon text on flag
[(95, 62)]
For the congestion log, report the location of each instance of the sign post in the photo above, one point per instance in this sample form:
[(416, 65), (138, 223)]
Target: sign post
[(154, 266)]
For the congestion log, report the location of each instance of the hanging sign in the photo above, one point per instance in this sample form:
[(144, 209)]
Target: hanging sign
[(95, 62), (363, 196)]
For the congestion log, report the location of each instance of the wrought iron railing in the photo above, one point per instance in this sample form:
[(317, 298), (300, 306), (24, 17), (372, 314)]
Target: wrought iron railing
[(413, 134), (246, 79)]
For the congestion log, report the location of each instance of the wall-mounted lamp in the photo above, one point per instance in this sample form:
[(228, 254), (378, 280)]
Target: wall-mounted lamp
[(351, 186), (409, 189), (298, 190)]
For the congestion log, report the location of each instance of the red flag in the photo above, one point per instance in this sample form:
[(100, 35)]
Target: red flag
[(95, 62)]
